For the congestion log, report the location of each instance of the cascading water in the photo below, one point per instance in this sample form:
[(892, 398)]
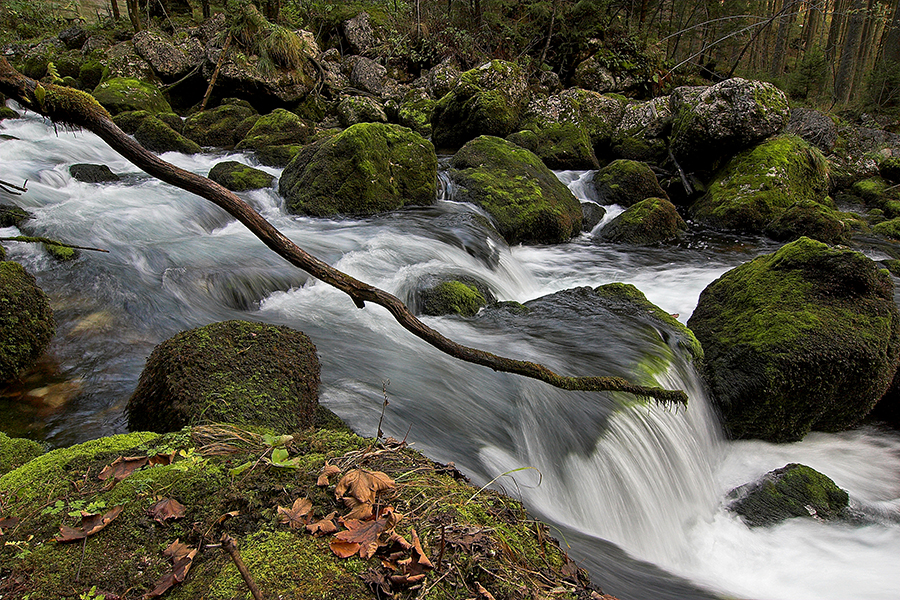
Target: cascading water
[(622, 483)]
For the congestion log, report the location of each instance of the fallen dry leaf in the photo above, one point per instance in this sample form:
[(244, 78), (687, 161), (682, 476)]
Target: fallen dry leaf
[(358, 510), (376, 579), (228, 515), (297, 515), (166, 509), (90, 524), (162, 459), (412, 569), (122, 467), (363, 485), (8, 523), (483, 592), (326, 473), (323, 526), (363, 536), (182, 557)]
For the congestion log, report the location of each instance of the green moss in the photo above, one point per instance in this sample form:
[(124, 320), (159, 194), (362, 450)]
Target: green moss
[(526, 200), (813, 220), (559, 146), (8, 113), (26, 321), (647, 222), (120, 94), (416, 114), (12, 216), (806, 338), (366, 169), (15, 452), (889, 229), (63, 253), (156, 136), (219, 126), (452, 297), (91, 73), (235, 372), (238, 177), (792, 491), (760, 184), (129, 121), (626, 182), (277, 128), (889, 168)]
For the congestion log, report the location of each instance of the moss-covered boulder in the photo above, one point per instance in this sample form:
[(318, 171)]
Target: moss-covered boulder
[(487, 100), (7, 113), (130, 120), (729, 116), (813, 220), (222, 126), (120, 94), (876, 192), (12, 216), (805, 338), (526, 200), (626, 182), (452, 298), (415, 111), (234, 371), (15, 452), (360, 109), (26, 321), (89, 173), (239, 177), (277, 128), (560, 146), (792, 491), (889, 229), (758, 185), (648, 222), (889, 168), (642, 130), (228, 482), (366, 169), (156, 136)]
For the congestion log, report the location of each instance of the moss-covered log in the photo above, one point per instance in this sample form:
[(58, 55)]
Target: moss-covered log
[(67, 105)]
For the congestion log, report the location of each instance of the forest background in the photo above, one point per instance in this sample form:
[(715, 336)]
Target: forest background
[(835, 55)]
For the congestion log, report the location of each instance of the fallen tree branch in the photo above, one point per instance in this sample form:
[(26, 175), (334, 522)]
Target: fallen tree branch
[(11, 188), (73, 107)]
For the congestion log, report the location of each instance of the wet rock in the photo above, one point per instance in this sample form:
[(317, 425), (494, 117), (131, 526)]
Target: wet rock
[(156, 136), (792, 491), (648, 222), (238, 177), (525, 199), (121, 94), (807, 338), (642, 130), (626, 182), (90, 173), (232, 372), (360, 109), (814, 127), (359, 34), (366, 169), (73, 37), (488, 100), (452, 297), (12, 216), (733, 115), (26, 321), (591, 215), (222, 126)]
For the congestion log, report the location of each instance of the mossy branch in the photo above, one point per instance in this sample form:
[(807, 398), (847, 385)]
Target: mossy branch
[(42, 240), (70, 106)]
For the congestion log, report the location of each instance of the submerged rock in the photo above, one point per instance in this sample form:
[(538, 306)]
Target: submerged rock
[(88, 173), (527, 201), (366, 169), (236, 372), (805, 338), (647, 222), (792, 491), (26, 321)]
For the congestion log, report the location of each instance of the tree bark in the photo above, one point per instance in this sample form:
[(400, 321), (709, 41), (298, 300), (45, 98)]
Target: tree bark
[(73, 107), (115, 9), (843, 81), (890, 45)]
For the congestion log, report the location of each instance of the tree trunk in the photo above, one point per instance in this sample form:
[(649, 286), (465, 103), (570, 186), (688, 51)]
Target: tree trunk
[(782, 37), (835, 30), (843, 81), (134, 13), (73, 107), (890, 44), (204, 6), (115, 10)]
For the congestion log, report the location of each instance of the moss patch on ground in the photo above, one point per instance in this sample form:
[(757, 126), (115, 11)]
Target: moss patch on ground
[(473, 537)]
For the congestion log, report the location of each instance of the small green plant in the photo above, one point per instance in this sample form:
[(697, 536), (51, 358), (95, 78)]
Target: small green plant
[(91, 594), (22, 547), (190, 459)]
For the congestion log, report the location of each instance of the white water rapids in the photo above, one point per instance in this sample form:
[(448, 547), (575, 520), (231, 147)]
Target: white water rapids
[(638, 492)]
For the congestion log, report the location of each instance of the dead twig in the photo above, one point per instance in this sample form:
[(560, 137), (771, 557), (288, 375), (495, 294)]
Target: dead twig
[(230, 546)]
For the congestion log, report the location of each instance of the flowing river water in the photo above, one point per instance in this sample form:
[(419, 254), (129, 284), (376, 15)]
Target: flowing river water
[(636, 492)]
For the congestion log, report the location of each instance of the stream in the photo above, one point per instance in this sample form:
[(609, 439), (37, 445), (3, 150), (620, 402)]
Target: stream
[(636, 493)]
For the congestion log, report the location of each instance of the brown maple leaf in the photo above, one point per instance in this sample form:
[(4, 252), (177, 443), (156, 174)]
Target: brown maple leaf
[(182, 557), (363, 536), (324, 526), (296, 516), (166, 509), (122, 467), (363, 485), (412, 569), (90, 524), (326, 473)]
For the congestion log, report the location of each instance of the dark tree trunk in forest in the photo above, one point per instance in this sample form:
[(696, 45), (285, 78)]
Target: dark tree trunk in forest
[(782, 37), (835, 30), (843, 81), (204, 6), (73, 107), (890, 46), (115, 10), (134, 13)]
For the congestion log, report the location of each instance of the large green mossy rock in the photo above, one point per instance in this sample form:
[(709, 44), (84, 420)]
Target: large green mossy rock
[(805, 338), (559, 146), (121, 94), (487, 100), (366, 169), (26, 321), (760, 184), (15, 452), (811, 219), (792, 491), (452, 298), (156, 136), (239, 177), (222, 126), (526, 200), (126, 560), (626, 182), (235, 371), (648, 222), (277, 128)]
